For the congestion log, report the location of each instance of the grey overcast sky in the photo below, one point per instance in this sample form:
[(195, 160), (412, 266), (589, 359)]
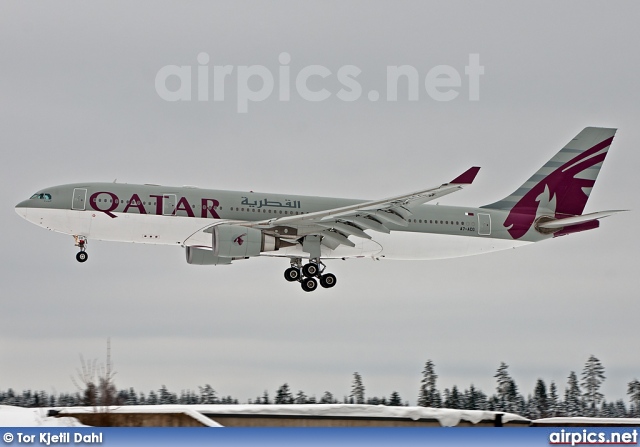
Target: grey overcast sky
[(78, 103)]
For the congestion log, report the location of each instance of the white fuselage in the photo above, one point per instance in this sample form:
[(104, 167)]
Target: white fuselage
[(152, 214)]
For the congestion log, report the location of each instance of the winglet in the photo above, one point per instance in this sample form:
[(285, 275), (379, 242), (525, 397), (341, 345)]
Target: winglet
[(467, 177)]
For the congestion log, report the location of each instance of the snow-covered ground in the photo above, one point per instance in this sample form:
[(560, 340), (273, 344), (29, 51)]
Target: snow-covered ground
[(446, 417), (33, 417), (37, 417)]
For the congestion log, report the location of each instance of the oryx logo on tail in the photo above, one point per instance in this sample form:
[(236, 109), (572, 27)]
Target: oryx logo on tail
[(561, 187)]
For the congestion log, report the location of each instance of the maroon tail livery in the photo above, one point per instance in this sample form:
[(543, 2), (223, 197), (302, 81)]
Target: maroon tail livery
[(562, 186)]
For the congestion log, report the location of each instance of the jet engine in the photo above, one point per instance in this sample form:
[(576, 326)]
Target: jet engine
[(233, 241), (203, 256)]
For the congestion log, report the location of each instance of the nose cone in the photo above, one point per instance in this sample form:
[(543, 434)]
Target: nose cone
[(21, 209)]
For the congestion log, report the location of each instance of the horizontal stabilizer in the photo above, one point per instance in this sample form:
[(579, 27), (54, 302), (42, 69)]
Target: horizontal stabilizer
[(576, 220)]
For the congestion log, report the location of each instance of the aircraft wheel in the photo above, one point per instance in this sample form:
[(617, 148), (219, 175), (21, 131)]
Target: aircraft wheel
[(309, 284), (309, 270), (292, 274), (82, 256), (327, 281)]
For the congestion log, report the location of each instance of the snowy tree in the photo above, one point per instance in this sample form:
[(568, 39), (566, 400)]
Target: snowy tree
[(621, 409), (283, 395), (327, 398), (207, 395), (395, 400), (555, 406), (592, 378), (541, 400), (357, 389), (573, 404), (265, 398), (452, 398), (153, 398), (429, 395), (301, 398), (633, 391), (165, 397), (132, 397), (502, 389), (508, 398), (474, 399)]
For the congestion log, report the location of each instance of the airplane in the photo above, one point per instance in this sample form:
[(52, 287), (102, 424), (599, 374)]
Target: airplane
[(218, 227)]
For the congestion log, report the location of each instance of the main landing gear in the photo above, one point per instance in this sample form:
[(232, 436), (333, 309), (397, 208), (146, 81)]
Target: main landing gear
[(307, 274), (81, 242)]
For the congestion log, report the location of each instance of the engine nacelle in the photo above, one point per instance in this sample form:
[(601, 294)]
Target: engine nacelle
[(232, 241), (202, 256)]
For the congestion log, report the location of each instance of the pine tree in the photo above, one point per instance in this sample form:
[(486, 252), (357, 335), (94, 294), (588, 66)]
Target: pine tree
[(633, 391), (357, 389), (395, 400), (554, 403), (621, 409), (301, 398), (283, 395), (541, 399), (502, 389), (207, 395), (327, 398), (572, 397), (592, 378), (165, 396), (474, 399), (132, 397), (452, 398), (429, 395), (508, 398), (153, 398)]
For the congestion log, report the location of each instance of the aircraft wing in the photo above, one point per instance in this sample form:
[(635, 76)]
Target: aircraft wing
[(337, 224)]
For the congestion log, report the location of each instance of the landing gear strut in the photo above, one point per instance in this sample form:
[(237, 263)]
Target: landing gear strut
[(81, 242), (308, 273)]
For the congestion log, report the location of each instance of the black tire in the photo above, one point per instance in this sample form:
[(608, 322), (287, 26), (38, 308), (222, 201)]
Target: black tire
[(82, 256), (310, 270), (309, 284), (328, 281), (292, 274)]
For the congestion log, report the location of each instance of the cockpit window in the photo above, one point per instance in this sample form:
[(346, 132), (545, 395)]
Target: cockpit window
[(43, 196)]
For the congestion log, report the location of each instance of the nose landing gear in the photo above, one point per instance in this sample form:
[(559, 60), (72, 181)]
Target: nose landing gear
[(308, 273), (81, 242)]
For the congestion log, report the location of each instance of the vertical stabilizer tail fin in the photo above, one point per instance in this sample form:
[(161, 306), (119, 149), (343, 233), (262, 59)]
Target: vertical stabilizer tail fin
[(562, 186)]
